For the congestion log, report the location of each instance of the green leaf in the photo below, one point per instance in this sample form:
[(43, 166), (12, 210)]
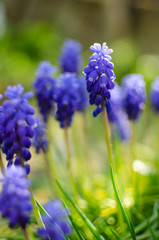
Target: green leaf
[(42, 210), (129, 224), (89, 224)]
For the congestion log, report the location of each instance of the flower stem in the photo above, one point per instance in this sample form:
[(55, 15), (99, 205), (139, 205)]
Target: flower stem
[(110, 158), (1, 162), (69, 164), (26, 235)]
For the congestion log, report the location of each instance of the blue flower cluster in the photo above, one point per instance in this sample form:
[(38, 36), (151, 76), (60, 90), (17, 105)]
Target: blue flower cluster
[(134, 95), (66, 97), (99, 77), (82, 101), (15, 201), (56, 224), (154, 95), (118, 118), (40, 141), (70, 59), (45, 86), (16, 122)]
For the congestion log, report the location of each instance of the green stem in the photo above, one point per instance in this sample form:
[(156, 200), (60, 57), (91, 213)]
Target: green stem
[(110, 158), (1, 163), (69, 164), (26, 235)]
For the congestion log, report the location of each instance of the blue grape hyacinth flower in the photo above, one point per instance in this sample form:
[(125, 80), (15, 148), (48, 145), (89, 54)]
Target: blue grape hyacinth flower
[(40, 141), (44, 86), (15, 203), (154, 95), (134, 95), (56, 224), (121, 126), (115, 103), (17, 122), (100, 77), (118, 118), (66, 97), (70, 59), (82, 102)]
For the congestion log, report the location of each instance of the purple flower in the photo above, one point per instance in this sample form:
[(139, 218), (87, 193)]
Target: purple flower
[(15, 201), (56, 224), (44, 86), (154, 94), (40, 141), (115, 103), (134, 95), (66, 97), (16, 122), (70, 59), (118, 118), (82, 102), (121, 126), (100, 77)]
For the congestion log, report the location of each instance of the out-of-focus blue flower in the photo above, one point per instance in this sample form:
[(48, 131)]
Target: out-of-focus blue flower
[(44, 86), (56, 224), (70, 59), (121, 126), (66, 97), (154, 95), (82, 102), (134, 95), (115, 103), (15, 197), (119, 120), (40, 141), (100, 77), (17, 122)]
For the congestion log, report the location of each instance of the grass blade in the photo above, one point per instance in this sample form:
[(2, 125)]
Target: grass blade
[(89, 224), (129, 224), (42, 210)]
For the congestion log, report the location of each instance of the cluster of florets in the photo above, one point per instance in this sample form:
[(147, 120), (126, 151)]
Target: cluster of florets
[(99, 77), (118, 118), (15, 201), (134, 95), (40, 141), (154, 95), (82, 101), (16, 120), (56, 223), (70, 59), (66, 97), (45, 86)]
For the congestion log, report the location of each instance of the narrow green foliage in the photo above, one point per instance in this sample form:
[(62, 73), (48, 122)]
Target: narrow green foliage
[(89, 224), (42, 210), (129, 224)]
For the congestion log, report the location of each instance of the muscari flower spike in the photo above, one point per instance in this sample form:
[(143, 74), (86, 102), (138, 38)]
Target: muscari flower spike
[(44, 86), (70, 59), (121, 126), (118, 118), (82, 102), (40, 141), (15, 203), (134, 95), (154, 95), (56, 224), (17, 122), (66, 97), (100, 77)]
